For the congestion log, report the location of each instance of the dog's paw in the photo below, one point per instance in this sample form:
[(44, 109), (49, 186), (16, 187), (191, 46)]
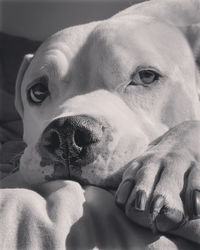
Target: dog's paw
[(158, 189), (150, 192)]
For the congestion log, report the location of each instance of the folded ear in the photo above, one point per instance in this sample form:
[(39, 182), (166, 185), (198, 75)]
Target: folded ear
[(192, 32), (18, 99), (184, 14)]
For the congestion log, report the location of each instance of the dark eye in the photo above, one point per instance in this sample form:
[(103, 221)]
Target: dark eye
[(145, 77), (38, 92)]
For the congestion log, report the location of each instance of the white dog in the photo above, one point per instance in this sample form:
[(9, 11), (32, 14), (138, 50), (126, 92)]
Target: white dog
[(95, 96)]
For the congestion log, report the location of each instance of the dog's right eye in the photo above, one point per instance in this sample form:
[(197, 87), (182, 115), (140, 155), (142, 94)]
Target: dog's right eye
[(38, 92)]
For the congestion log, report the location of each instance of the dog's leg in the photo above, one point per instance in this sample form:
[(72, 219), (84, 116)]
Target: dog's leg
[(153, 187)]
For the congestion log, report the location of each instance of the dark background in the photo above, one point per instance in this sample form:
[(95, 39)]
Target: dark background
[(37, 19)]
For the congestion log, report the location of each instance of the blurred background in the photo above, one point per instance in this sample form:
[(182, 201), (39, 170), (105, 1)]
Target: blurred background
[(37, 19)]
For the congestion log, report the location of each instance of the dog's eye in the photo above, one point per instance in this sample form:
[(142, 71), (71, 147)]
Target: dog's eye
[(38, 92), (145, 77)]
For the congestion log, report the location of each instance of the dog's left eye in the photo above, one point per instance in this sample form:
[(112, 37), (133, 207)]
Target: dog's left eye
[(145, 77), (38, 93)]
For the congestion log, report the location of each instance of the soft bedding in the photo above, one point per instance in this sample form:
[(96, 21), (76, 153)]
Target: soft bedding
[(60, 214)]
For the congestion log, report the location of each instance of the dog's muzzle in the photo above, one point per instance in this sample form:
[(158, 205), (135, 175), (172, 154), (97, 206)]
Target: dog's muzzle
[(76, 140)]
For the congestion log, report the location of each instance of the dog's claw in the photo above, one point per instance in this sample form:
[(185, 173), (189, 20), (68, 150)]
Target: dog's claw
[(196, 203), (168, 219), (140, 200)]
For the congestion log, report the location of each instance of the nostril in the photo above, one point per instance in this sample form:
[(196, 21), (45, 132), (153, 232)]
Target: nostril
[(84, 137), (52, 140), (81, 139)]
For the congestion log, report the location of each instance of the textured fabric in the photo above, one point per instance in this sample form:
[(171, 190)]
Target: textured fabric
[(65, 216)]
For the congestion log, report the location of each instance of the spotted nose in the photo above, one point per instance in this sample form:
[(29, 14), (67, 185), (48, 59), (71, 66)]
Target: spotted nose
[(77, 139)]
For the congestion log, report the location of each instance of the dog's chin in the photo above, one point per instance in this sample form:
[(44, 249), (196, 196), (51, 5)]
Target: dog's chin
[(110, 182), (96, 173), (37, 169), (104, 180)]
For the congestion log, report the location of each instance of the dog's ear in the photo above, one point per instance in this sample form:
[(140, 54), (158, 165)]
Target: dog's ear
[(192, 32), (184, 14), (18, 99)]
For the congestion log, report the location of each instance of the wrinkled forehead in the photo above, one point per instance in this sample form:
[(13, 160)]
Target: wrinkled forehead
[(120, 46), (59, 49), (145, 39)]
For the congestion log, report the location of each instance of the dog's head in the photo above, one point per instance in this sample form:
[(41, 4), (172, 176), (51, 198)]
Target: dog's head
[(93, 96)]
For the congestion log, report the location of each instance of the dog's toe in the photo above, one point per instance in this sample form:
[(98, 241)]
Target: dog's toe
[(127, 185), (135, 191), (166, 207), (163, 217), (166, 219)]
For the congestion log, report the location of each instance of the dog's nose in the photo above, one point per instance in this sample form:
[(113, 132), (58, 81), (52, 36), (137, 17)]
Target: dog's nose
[(72, 136)]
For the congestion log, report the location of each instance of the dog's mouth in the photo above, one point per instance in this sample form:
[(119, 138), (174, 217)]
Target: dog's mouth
[(64, 170), (89, 165), (84, 149)]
